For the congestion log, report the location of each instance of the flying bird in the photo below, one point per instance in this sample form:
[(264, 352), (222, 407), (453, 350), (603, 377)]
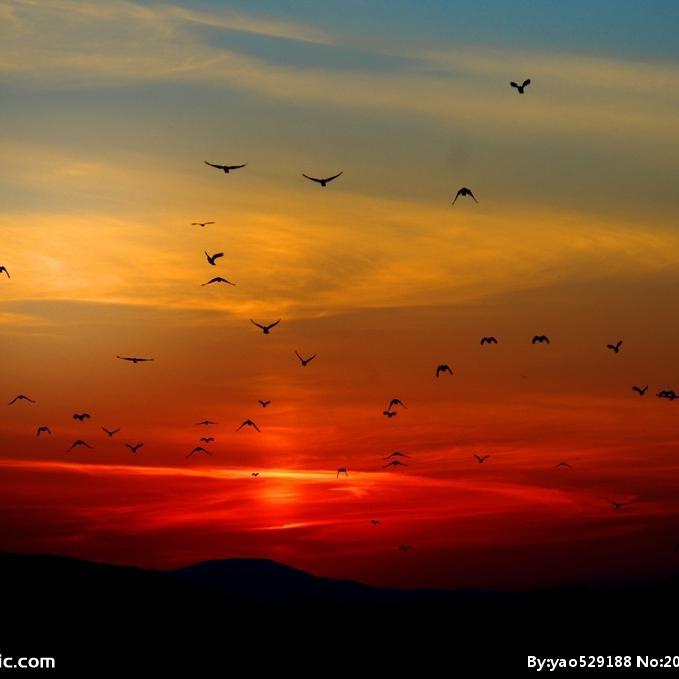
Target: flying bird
[(481, 458), (254, 474), (396, 453), (520, 88), (226, 168), (640, 390), (443, 368), (305, 361), (3, 269), (134, 359), (79, 442), (375, 522), (110, 432), (46, 430), (488, 340), (541, 339), (81, 416), (667, 393), (324, 181), (405, 548), (134, 448), (218, 279), (342, 470), (615, 347), (199, 449), (395, 463), (464, 191), (248, 423), (619, 505), (396, 402), (266, 328), (389, 413), (201, 223), (207, 439), (264, 404), (563, 463), (211, 258), (206, 422), (20, 397)]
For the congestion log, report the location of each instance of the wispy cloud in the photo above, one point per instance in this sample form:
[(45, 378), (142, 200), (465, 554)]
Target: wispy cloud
[(56, 43)]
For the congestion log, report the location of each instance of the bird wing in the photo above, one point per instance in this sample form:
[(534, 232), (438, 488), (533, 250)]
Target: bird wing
[(273, 325), (256, 427), (313, 179), (329, 179), (235, 167), (526, 82), (219, 167), (298, 356), (217, 255), (472, 195), (311, 358), (513, 84), (257, 324), (241, 426)]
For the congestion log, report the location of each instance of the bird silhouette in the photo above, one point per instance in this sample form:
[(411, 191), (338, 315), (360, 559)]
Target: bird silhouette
[(248, 423), (375, 522), (44, 429), (225, 168), (520, 88), (305, 361), (640, 390), (203, 224), (396, 402), (81, 416), (324, 181), (77, 443), (254, 474), (481, 458), (266, 328), (667, 393), (20, 397), (134, 448), (212, 258), (443, 368), (3, 269), (389, 413), (134, 359), (110, 432), (619, 505), (540, 339), (615, 347), (218, 279), (342, 470), (488, 340), (396, 453), (395, 463), (563, 463), (207, 439), (206, 423), (464, 191), (264, 404), (199, 449), (405, 548)]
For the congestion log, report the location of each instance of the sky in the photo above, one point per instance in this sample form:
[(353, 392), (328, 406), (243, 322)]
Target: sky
[(109, 111)]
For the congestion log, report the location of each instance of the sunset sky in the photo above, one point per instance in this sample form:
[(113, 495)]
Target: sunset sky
[(109, 110)]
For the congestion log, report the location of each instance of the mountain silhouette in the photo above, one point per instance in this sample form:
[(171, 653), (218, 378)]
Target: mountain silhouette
[(81, 611)]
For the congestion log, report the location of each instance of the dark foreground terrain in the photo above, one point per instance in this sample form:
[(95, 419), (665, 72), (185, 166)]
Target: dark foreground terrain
[(238, 617)]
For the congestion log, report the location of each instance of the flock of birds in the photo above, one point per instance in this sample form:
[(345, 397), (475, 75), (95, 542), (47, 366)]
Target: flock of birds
[(394, 459)]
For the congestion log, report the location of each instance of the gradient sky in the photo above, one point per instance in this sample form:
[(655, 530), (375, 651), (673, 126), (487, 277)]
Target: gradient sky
[(109, 109)]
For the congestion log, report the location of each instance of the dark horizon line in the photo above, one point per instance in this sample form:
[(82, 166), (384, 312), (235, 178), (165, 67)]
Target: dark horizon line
[(499, 593)]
